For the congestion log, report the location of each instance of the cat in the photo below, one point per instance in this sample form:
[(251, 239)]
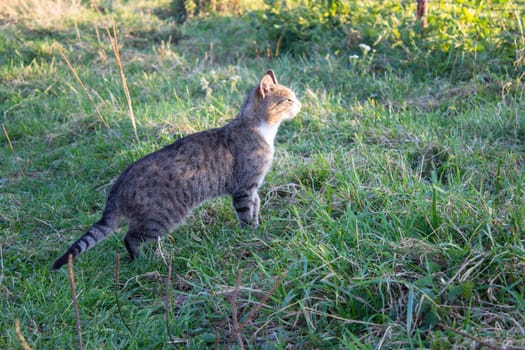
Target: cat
[(155, 193)]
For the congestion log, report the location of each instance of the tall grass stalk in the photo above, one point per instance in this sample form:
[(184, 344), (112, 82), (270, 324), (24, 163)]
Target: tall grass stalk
[(74, 72), (115, 46), (75, 300), (20, 336), (7, 137)]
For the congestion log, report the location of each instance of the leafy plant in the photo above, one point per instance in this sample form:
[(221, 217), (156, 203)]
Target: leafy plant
[(184, 9), (462, 38)]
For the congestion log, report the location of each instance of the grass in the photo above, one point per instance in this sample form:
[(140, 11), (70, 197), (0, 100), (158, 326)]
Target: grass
[(393, 215)]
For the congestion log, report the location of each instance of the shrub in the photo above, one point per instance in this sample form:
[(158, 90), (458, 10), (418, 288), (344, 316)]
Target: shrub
[(184, 9), (460, 39)]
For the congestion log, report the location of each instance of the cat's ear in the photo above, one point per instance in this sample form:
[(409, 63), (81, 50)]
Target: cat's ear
[(267, 84)]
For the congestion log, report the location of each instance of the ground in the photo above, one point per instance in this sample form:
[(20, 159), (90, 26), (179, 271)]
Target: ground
[(392, 217)]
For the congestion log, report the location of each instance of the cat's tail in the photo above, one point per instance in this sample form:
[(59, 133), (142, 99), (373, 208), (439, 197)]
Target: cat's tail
[(96, 233)]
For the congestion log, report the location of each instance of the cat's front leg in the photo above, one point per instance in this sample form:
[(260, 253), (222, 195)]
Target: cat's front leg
[(246, 204), (255, 213)]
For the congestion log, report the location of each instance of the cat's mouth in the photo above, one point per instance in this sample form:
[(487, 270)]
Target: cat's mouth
[(296, 107)]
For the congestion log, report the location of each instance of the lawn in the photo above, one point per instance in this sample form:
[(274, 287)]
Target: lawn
[(393, 216)]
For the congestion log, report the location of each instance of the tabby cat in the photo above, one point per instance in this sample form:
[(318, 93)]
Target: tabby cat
[(156, 192)]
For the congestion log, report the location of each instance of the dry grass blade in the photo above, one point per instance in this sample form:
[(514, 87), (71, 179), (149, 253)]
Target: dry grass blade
[(20, 336), (64, 57), (263, 300), (167, 305), (469, 262), (258, 55), (344, 320), (278, 45), (117, 283), (481, 342), (114, 44), (7, 137), (237, 330), (74, 298), (235, 318)]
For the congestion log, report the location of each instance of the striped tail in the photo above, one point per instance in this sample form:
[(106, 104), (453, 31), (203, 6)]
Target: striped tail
[(96, 233)]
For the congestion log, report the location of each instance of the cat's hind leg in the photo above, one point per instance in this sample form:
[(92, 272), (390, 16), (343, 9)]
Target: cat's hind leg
[(133, 241), (149, 231)]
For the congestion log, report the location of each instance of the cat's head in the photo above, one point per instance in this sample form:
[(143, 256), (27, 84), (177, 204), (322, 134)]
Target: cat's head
[(270, 102)]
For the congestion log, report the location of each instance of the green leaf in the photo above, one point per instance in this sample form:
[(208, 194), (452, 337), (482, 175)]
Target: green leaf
[(410, 309), (426, 281), (463, 290), (466, 289), (454, 292)]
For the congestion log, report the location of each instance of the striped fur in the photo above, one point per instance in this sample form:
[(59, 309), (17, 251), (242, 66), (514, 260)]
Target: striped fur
[(155, 193)]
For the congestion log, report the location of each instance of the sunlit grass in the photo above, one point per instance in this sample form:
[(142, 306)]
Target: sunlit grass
[(394, 208), (44, 14)]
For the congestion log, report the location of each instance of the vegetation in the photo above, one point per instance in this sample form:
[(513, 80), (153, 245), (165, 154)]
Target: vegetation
[(459, 38), (392, 218)]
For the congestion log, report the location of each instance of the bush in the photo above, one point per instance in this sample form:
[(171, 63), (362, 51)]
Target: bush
[(461, 38), (184, 9)]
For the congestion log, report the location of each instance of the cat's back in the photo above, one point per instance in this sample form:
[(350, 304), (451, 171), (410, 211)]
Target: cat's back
[(199, 162)]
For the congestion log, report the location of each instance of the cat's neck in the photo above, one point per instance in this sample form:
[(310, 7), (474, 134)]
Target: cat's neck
[(268, 132)]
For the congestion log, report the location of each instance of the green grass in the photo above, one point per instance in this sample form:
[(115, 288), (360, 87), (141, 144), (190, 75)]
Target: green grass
[(394, 208)]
